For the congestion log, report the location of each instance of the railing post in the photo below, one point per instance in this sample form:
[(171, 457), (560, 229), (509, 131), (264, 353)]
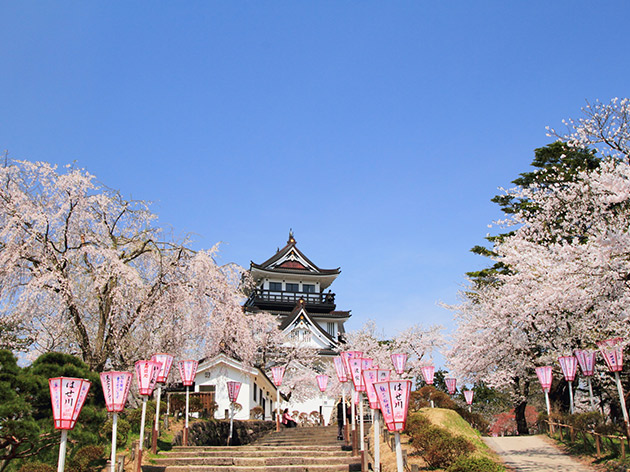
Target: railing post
[(623, 448)]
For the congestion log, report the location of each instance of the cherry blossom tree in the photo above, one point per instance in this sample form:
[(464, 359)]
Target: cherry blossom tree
[(85, 271), (569, 268)]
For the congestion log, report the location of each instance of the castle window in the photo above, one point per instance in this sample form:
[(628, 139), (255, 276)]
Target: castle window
[(293, 287), (330, 328), (275, 286), (308, 288)]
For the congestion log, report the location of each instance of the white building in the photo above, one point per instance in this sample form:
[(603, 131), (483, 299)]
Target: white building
[(256, 388)]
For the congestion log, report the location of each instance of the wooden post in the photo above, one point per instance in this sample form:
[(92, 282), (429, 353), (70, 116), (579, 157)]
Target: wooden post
[(560, 430), (597, 444), (623, 448), (572, 433)]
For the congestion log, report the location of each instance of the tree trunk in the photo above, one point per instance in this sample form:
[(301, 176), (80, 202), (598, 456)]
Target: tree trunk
[(521, 422)]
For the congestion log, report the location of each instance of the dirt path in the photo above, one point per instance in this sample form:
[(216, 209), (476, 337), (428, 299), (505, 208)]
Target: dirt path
[(533, 454)]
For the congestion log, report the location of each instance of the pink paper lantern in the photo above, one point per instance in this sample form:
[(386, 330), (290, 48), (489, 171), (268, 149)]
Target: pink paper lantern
[(393, 398), (187, 371), (277, 374), (67, 396), (468, 395), (586, 359), (367, 363), (427, 373), (399, 361), (346, 356), (370, 377), (115, 389), (322, 382), (340, 369), (568, 364), (451, 385), (233, 389), (544, 376), (356, 365), (612, 350), (167, 361), (146, 374)]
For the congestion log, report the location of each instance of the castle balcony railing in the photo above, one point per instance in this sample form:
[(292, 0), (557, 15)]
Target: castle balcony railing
[(267, 299)]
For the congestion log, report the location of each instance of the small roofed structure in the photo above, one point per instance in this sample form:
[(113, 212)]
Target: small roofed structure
[(257, 390)]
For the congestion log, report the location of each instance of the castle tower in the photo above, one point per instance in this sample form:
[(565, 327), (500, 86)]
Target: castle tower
[(290, 286)]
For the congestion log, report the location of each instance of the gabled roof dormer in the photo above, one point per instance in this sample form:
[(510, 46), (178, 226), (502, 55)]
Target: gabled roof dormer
[(299, 323)]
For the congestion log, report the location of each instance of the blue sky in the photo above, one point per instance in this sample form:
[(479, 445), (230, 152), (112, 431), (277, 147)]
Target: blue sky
[(378, 131)]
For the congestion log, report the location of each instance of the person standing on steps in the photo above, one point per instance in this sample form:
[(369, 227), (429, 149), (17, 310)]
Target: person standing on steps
[(340, 423), (287, 420)]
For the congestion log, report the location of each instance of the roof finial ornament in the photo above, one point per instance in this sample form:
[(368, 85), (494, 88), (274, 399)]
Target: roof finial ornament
[(291, 238)]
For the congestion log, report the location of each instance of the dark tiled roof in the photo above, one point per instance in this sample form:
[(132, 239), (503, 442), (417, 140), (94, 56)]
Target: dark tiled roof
[(291, 245)]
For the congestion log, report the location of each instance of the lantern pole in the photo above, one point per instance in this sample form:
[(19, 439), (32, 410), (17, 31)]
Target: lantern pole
[(277, 408), (61, 463), (156, 424), (399, 458), (186, 423), (142, 421), (112, 459), (377, 441), (590, 392), (621, 399), (343, 413), (231, 422), (362, 428), (353, 419)]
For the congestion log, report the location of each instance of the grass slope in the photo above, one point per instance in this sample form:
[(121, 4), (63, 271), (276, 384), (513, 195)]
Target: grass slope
[(455, 424)]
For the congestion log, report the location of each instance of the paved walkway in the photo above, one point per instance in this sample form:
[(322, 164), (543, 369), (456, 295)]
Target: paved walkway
[(533, 454)]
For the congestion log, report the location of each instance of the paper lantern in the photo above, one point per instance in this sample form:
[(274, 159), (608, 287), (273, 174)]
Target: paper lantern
[(568, 364), (187, 371), (544, 376), (468, 395), (451, 385), (146, 375), (356, 365), (115, 389), (340, 369), (427, 373), (67, 396), (346, 356), (393, 398), (586, 359), (370, 377), (612, 350), (322, 382), (167, 361), (277, 374), (367, 363), (233, 389), (399, 361)]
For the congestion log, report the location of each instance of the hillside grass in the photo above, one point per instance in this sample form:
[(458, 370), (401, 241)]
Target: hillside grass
[(455, 424), (447, 419)]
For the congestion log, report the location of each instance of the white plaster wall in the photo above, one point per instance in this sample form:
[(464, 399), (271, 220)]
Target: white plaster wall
[(219, 376)]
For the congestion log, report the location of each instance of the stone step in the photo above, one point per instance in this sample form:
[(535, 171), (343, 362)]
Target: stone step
[(259, 453), (282, 468), (302, 448), (253, 461)]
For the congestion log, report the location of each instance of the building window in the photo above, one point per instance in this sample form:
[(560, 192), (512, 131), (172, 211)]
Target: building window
[(330, 328), (255, 388), (301, 335), (293, 287), (275, 286), (308, 288)]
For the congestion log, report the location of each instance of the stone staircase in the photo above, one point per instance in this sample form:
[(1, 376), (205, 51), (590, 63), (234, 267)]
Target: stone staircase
[(313, 449)]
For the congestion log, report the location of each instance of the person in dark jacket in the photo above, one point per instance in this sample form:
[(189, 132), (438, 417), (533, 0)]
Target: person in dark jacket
[(340, 423)]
